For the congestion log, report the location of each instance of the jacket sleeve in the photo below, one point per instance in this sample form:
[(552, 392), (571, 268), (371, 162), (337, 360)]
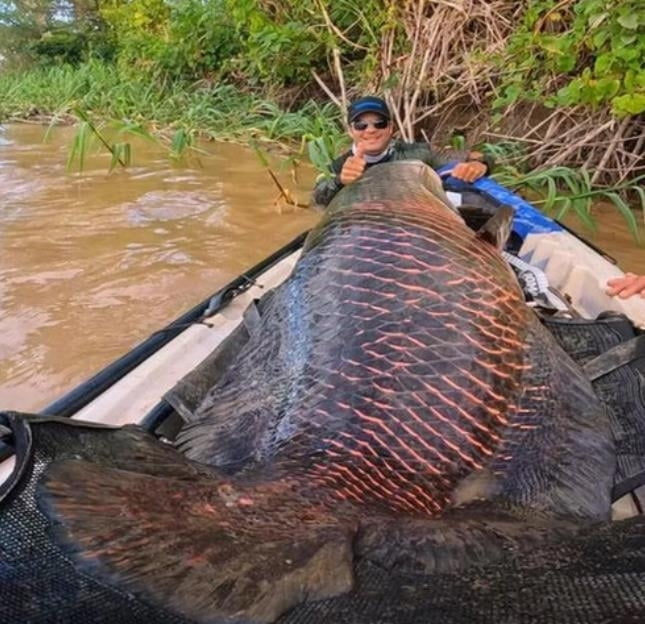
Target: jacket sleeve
[(326, 188), (437, 158)]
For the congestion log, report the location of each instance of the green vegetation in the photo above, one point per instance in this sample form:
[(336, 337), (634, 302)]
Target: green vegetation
[(108, 91), (560, 190), (555, 87), (579, 53)]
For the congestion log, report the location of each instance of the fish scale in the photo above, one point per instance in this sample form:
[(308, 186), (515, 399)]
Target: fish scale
[(398, 403), (434, 424)]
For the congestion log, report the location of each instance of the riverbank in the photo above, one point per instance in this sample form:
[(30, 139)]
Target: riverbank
[(108, 91), (179, 113), (561, 81)]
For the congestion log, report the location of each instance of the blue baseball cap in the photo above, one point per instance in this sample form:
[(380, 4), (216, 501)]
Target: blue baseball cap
[(368, 104)]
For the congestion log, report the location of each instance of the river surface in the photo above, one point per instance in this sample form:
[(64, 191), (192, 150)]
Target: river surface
[(91, 264)]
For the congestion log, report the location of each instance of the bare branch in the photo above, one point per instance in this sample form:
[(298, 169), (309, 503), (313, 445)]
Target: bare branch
[(326, 89)]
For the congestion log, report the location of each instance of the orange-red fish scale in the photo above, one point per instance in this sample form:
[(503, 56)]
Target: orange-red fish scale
[(411, 437)]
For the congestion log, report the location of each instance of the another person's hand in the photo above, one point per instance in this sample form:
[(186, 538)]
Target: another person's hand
[(469, 171), (354, 167), (626, 286)]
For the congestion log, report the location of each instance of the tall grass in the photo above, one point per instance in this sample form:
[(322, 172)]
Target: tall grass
[(217, 110), (111, 104), (178, 113), (560, 190)]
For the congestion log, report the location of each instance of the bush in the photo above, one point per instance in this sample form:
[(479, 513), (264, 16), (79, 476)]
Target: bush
[(60, 46), (590, 52), (188, 39)]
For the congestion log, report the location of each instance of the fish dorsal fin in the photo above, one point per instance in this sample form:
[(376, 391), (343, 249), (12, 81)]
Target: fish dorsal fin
[(498, 228)]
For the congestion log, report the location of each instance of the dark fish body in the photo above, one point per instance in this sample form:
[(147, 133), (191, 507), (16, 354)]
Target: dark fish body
[(398, 359), (399, 401)]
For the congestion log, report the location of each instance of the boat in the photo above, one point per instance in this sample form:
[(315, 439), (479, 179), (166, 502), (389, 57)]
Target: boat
[(563, 277), (131, 389)]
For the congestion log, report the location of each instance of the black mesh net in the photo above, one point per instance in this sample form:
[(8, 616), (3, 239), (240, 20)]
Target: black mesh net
[(38, 582), (622, 389), (598, 577)]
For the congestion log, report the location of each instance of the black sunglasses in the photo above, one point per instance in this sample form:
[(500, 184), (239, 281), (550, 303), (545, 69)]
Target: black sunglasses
[(363, 125)]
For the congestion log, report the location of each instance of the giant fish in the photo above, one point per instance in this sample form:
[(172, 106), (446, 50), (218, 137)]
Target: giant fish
[(398, 402)]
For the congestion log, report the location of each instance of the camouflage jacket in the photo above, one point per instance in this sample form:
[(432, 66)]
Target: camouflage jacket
[(326, 189)]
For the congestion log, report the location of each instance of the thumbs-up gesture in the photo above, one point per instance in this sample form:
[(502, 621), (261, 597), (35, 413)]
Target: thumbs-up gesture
[(354, 166)]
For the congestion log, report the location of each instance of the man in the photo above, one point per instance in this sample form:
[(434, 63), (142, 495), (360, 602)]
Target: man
[(371, 130)]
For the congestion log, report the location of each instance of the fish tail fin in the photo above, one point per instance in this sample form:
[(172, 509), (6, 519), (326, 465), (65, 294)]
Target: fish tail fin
[(201, 545), (224, 436), (498, 228), (479, 533)]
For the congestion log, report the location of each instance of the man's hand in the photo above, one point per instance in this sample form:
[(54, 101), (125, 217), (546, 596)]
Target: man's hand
[(354, 166), (626, 286), (469, 171)]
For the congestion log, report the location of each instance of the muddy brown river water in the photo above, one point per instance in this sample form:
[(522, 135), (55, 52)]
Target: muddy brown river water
[(91, 264)]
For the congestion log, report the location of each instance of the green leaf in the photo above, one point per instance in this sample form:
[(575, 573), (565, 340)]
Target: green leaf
[(596, 20), (603, 63), (551, 44), (127, 154), (136, 130), (629, 21), (179, 142), (625, 211), (581, 209), (566, 205), (641, 193), (72, 153), (629, 104), (626, 53), (630, 80), (586, 178), (566, 62), (121, 155), (551, 195), (570, 94), (80, 146), (458, 141), (116, 153), (600, 38), (607, 88), (571, 181)]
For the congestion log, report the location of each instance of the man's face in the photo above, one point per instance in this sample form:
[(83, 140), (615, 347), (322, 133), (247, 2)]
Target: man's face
[(372, 132)]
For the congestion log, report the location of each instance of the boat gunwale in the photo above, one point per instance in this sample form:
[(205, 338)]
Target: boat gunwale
[(84, 393)]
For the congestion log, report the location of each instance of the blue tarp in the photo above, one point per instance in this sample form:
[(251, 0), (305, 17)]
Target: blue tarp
[(527, 220)]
